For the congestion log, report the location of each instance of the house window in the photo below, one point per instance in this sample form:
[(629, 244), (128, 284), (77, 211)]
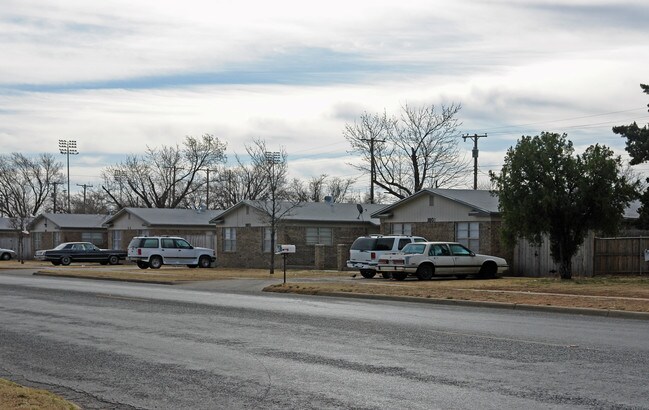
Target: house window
[(401, 229), (431, 200), (92, 237), (319, 235), (468, 234), (117, 239), (38, 240), (266, 246), (229, 239)]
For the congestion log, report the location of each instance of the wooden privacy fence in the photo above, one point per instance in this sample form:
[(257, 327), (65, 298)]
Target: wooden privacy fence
[(597, 256), (620, 256)]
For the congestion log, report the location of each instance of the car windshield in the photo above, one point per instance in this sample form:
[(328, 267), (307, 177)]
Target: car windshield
[(414, 248)]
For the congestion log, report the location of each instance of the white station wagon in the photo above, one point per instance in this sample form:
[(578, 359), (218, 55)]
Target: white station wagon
[(427, 259)]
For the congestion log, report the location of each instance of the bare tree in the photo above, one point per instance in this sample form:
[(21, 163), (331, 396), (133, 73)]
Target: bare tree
[(164, 177), (417, 150), (25, 186), (276, 202)]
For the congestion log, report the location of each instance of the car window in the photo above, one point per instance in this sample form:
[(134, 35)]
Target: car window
[(384, 244), (150, 243), (414, 249), (459, 250), (181, 243), (439, 250), (363, 244), (403, 242), (420, 240), (168, 243)]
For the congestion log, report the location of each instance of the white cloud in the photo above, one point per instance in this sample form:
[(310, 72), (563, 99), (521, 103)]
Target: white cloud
[(122, 75)]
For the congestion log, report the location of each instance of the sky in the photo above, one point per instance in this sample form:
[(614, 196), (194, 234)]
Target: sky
[(119, 76)]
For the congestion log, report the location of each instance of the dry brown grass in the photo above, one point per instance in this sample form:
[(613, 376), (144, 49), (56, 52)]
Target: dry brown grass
[(14, 396), (612, 293)]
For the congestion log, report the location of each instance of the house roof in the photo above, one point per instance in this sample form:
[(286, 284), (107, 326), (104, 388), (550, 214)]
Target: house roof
[(479, 200), (74, 221), (315, 211), (168, 216)]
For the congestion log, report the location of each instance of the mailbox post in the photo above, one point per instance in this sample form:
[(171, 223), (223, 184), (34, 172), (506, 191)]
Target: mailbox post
[(284, 250)]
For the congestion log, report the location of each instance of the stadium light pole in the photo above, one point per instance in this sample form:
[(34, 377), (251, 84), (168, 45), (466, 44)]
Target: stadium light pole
[(67, 148)]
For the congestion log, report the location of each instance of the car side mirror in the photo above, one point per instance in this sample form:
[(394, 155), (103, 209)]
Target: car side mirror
[(472, 253)]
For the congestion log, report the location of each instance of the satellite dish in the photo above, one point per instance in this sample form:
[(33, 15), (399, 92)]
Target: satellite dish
[(360, 210)]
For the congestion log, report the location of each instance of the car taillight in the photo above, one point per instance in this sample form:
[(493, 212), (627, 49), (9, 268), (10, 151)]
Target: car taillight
[(139, 251), (373, 255)]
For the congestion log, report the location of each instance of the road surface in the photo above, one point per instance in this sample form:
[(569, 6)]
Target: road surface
[(122, 346)]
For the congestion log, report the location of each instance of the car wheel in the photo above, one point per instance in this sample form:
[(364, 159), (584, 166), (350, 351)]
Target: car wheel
[(5, 256), (461, 276), (142, 265), (399, 275), (425, 272), (204, 262), (386, 275), (65, 260), (488, 270), (192, 266), (367, 274), (155, 262), (113, 259)]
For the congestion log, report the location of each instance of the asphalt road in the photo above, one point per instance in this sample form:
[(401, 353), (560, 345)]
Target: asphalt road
[(120, 345)]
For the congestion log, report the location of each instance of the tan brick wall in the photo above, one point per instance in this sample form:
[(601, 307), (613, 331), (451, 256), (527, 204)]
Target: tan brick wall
[(249, 245)]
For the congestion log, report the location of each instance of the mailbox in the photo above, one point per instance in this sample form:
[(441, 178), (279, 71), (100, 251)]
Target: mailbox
[(284, 249)]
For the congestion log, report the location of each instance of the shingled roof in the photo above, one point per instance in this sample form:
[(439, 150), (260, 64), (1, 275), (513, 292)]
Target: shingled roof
[(74, 221), (169, 216), (315, 211)]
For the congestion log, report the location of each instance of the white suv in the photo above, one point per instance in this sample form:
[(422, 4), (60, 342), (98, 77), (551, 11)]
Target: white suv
[(366, 250), (155, 251)]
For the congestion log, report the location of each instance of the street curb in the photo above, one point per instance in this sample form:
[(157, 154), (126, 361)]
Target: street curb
[(153, 282), (496, 305)]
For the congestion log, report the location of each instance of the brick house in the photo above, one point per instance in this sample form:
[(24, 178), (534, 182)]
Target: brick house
[(193, 225), (467, 216), (48, 230), (321, 231)]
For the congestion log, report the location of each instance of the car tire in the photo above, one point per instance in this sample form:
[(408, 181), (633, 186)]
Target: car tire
[(367, 273), (155, 262), (66, 260), (386, 275), (425, 272), (488, 270), (399, 275), (142, 265), (204, 262), (113, 259), (5, 256)]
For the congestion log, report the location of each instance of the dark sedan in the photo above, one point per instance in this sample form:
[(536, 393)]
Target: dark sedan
[(69, 252)]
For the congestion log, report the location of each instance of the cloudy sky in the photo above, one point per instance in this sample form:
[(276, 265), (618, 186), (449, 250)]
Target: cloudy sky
[(120, 75)]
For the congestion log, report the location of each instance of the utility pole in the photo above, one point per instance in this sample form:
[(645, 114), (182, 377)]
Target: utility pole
[(54, 184), (372, 165), (474, 137), (68, 147), (84, 195)]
